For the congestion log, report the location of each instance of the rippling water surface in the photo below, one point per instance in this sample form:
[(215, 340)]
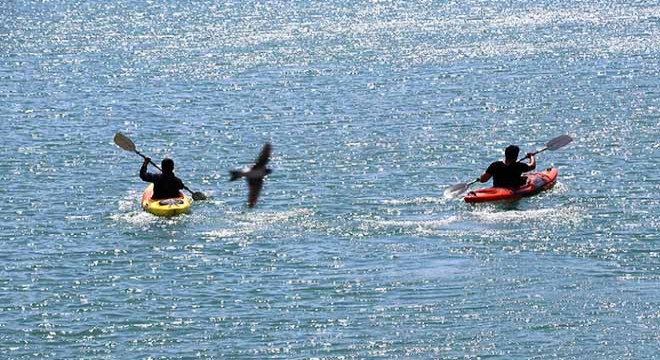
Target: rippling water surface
[(373, 109)]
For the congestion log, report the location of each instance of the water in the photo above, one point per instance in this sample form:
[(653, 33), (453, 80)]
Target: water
[(373, 109)]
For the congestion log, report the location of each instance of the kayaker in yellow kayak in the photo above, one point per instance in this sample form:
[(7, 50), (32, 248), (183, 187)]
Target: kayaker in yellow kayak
[(166, 184), (507, 173)]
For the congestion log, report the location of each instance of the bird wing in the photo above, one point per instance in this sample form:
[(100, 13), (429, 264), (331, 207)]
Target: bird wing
[(235, 174), (264, 156), (254, 191)]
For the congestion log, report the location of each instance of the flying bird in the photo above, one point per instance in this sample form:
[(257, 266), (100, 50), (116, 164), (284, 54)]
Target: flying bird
[(254, 175)]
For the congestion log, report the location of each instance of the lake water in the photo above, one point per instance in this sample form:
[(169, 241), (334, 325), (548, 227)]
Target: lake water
[(373, 109)]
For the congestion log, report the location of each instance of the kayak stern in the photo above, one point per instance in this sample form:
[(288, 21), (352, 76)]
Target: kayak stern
[(164, 207)]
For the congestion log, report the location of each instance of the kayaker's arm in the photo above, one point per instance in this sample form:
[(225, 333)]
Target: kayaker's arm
[(144, 175), (488, 173), (532, 161)]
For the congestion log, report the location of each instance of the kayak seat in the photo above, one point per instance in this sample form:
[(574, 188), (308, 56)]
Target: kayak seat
[(524, 181), (170, 202)]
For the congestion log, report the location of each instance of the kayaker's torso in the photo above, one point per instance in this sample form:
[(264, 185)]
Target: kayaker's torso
[(507, 176), (165, 185)]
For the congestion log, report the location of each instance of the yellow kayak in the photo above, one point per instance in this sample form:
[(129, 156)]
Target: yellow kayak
[(164, 207)]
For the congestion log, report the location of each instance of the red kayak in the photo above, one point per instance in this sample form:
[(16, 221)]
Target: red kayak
[(536, 182)]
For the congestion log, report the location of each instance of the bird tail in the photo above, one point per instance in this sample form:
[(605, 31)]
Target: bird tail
[(235, 174)]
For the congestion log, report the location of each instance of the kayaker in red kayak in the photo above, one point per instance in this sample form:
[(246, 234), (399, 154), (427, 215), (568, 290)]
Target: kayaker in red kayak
[(507, 173), (166, 184)]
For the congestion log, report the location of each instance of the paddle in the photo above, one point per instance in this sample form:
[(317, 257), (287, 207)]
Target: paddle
[(554, 144), (127, 144)]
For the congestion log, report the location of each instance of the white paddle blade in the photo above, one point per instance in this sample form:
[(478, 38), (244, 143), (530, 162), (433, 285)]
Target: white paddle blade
[(456, 190), (124, 142), (559, 142)]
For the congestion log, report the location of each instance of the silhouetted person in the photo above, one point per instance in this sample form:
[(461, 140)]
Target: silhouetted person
[(507, 173), (166, 184)]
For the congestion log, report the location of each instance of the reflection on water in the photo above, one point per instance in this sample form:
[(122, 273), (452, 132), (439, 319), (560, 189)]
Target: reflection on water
[(373, 109)]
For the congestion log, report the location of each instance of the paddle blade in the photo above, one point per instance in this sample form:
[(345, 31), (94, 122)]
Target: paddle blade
[(124, 142), (197, 196), (456, 190), (558, 142)]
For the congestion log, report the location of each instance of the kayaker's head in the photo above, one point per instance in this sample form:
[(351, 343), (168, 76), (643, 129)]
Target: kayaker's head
[(511, 153), (167, 165)]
